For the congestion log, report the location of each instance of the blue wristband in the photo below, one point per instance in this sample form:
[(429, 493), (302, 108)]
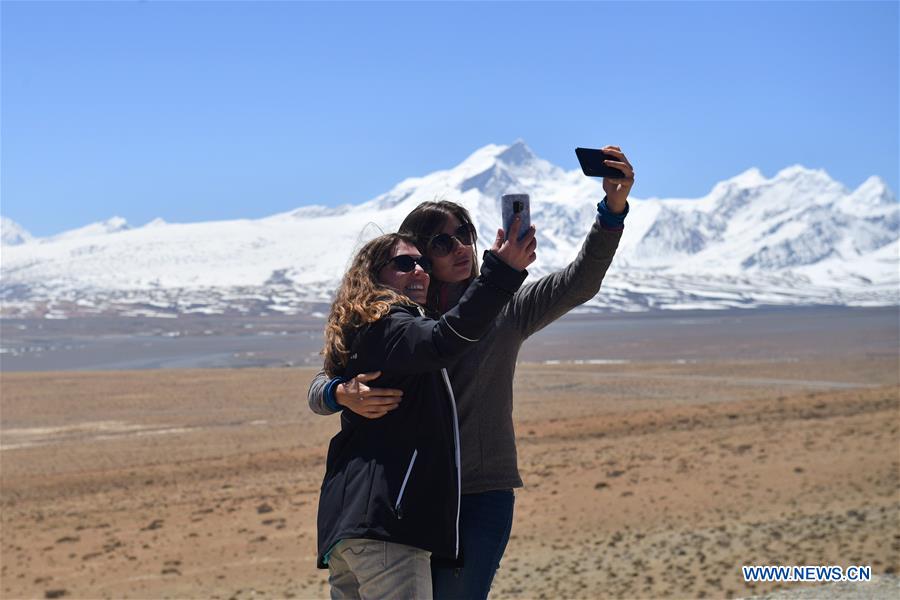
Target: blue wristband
[(609, 220), (330, 398)]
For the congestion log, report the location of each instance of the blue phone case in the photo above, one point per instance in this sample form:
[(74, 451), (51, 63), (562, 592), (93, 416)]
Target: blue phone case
[(513, 204)]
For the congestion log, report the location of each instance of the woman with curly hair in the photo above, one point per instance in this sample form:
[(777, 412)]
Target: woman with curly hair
[(391, 493)]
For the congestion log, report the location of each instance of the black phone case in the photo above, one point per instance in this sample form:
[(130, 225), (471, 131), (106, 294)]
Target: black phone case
[(592, 163)]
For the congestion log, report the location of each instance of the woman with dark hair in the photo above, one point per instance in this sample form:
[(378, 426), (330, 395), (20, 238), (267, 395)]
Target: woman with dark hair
[(390, 496), (483, 378), (426, 223)]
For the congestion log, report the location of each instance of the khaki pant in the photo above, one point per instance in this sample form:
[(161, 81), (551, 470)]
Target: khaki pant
[(372, 569)]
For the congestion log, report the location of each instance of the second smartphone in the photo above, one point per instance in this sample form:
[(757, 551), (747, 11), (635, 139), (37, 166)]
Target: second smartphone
[(592, 163), (512, 205)]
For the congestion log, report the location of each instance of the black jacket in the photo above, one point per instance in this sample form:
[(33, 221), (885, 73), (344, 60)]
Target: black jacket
[(397, 478)]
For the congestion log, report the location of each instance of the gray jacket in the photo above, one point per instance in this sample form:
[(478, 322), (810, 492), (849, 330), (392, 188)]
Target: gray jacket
[(483, 377)]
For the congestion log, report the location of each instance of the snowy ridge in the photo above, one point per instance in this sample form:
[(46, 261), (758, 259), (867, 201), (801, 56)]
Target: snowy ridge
[(13, 234), (796, 238), (112, 225)]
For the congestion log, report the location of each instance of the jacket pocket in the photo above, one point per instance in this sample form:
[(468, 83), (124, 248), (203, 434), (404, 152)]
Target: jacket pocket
[(397, 508)]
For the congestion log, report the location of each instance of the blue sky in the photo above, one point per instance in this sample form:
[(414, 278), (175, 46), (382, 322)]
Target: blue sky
[(196, 111)]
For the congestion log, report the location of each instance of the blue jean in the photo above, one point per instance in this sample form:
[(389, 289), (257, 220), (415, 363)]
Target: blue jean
[(485, 522)]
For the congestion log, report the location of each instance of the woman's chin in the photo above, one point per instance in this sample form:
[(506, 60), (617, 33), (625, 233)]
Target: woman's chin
[(462, 272), (453, 275)]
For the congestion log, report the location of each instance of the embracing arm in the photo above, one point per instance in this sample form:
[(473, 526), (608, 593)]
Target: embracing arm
[(328, 396), (320, 401)]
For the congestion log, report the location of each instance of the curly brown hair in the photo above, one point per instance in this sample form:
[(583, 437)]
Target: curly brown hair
[(361, 299)]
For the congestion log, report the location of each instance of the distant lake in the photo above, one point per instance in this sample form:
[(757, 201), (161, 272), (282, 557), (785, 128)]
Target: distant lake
[(117, 343)]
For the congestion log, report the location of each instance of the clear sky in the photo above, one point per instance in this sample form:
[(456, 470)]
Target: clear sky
[(194, 111)]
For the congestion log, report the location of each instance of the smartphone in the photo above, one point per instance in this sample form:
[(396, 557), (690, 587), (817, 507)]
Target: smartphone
[(592, 163), (512, 205)]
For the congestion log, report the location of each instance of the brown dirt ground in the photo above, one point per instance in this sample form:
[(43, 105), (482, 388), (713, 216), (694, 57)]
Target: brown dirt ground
[(642, 480)]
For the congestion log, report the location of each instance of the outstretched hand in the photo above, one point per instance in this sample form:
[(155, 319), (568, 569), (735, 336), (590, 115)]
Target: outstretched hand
[(617, 188), (371, 403), (517, 253)]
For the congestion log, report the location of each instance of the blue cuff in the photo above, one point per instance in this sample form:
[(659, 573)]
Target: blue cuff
[(609, 220), (330, 399)]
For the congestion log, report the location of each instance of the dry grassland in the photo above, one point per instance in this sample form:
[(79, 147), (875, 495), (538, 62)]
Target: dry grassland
[(642, 480)]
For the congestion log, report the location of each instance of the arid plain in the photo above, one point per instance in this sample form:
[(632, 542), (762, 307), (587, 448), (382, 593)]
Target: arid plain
[(656, 477)]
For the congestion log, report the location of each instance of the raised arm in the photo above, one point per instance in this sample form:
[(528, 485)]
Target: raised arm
[(538, 304), (411, 344)]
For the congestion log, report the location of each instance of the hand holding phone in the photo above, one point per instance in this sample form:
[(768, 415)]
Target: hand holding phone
[(513, 205), (592, 164), (517, 253)]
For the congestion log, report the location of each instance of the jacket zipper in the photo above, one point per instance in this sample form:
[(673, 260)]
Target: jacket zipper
[(412, 461), (456, 448)]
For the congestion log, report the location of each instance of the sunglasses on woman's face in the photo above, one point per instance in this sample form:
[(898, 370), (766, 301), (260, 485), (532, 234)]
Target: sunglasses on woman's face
[(406, 263), (443, 243)]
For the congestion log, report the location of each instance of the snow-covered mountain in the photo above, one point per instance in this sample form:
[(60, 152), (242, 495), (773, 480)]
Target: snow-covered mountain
[(94, 229), (797, 238), (13, 234)]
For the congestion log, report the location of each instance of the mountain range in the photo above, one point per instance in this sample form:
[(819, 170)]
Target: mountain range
[(798, 238)]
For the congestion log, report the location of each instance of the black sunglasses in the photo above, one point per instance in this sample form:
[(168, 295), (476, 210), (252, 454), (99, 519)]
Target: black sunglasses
[(406, 263), (443, 243)]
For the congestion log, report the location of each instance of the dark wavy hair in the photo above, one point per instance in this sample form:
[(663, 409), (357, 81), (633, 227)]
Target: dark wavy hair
[(427, 220), (360, 299)]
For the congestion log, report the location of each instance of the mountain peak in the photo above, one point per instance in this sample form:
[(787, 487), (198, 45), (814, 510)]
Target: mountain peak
[(115, 224), (517, 154), (798, 171), (874, 191), (13, 234), (500, 167), (749, 178)]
